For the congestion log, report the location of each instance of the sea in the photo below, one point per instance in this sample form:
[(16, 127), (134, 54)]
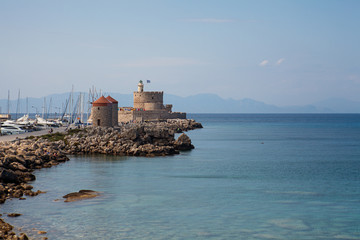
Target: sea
[(250, 176)]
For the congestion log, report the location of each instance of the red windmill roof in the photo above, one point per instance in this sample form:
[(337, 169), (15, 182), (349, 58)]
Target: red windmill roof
[(111, 99), (102, 101)]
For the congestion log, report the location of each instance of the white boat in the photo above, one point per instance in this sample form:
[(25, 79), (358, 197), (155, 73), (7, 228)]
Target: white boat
[(24, 120), (7, 129), (24, 123), (41, 123)]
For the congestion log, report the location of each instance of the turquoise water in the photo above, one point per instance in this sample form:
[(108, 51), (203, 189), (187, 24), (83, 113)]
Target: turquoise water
[(251, 176)]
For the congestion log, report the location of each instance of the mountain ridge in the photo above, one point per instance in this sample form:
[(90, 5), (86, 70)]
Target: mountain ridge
[(199, 103)]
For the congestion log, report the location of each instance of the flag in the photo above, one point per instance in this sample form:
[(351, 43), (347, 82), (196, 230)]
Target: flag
[(147, 81)]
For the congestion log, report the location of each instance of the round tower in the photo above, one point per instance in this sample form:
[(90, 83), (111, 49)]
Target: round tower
[(148, 100), (101, 113), (140, 86), (114, 107)]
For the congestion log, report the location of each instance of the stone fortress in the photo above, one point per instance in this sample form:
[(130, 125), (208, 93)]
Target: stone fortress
[(148, 106)]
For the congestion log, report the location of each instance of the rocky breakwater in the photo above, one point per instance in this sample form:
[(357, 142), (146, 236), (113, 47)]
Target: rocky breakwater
[(138, 139)]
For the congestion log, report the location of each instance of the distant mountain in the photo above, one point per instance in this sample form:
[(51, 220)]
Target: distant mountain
[(200, 103), (212, 103), (340, 105)]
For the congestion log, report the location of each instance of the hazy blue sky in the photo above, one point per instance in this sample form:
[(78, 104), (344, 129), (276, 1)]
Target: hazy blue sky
[(279, 52)]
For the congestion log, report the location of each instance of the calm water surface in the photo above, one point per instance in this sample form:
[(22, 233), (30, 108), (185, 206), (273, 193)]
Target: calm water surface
[(251, 176)]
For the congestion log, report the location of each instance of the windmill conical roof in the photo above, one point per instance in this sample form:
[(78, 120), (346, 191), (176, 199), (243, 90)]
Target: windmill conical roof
[(102, 101), (111, 99)]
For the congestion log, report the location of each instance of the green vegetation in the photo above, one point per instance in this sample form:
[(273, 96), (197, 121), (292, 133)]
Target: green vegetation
[(76, 130), (54, 137)]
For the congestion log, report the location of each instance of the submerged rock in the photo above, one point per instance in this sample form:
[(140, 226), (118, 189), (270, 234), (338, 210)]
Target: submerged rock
[(82, 194), (14, 214)]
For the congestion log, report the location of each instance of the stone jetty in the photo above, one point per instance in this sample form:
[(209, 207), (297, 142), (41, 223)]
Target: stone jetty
[(141, 139), (19, 158)]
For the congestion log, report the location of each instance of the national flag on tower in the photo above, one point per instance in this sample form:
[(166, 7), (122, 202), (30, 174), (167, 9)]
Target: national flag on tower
[(147, 81)]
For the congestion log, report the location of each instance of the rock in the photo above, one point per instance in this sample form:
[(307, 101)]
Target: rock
[(5, 229), (26, 186), (30, 193), (23, 236), (18, 194), (8, 176), (42, 232), (14, 214), (183, 143), (82, 194)]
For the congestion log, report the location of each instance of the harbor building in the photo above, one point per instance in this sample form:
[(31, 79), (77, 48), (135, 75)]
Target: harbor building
[(148, 106), (102, 112)]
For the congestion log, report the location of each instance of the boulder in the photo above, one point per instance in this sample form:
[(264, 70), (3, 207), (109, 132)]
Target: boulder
[(82, 194), (4, 227), (183, 143), (14, 214), (8, 176)]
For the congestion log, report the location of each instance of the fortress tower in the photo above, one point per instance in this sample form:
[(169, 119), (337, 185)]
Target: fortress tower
[(148, 100)]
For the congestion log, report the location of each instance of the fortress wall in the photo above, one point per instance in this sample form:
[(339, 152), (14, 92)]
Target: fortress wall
[(174, 115), (125, 116), (140, 98), (146, 115), (102, 115)]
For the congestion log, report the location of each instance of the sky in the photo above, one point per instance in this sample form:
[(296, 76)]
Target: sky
[(279, 52)]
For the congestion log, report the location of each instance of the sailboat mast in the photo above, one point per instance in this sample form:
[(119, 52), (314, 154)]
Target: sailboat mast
[(17, 105), (49, 109), (27, 106), (71, 104), (8, 103), (44, 108)]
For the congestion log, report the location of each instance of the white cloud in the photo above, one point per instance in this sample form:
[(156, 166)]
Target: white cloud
[(209, 20), (264, 63), (281, 60), (162, 62)]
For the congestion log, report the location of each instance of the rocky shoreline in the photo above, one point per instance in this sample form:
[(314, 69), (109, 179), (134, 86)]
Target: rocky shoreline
[(18, 159)]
